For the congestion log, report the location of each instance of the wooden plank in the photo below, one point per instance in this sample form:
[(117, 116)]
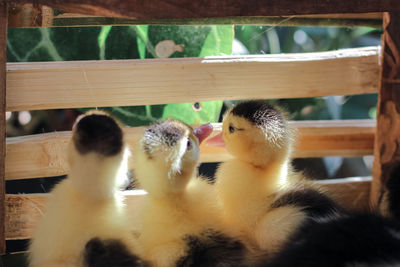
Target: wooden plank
[(33, 15), (54, 85), (387, 152), (172, 9), (352, 193), (43, 155), (24, 210), (3, 60)]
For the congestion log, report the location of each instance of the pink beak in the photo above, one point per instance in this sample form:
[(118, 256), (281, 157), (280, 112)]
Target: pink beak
[(203, 131), (217, 141)]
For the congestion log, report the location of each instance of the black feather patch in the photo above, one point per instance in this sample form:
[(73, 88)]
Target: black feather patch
[(393, 189), (311, 201), (356, 240), (213, 249), (98, 133), (258, 112), (110, 253)]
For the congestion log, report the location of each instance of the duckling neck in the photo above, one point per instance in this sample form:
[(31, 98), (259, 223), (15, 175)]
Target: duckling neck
[(93, 179)]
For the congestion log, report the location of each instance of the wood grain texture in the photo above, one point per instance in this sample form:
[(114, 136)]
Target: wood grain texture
[(387, 152), (3, 60), (44, 155), (53, 85), (23, 211), (170, 9), (34, 15)]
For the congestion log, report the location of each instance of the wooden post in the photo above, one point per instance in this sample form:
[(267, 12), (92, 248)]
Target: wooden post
[(3, 61), (387, 138)]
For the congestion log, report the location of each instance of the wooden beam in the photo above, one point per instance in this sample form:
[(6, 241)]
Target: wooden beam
[(352, 193), (23, 211), (55, 85), (173, 9), (3, 60), (387, 152), (33, 15), (44, 155)]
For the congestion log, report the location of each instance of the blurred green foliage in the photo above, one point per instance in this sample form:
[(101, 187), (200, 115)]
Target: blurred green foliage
[(130, 42), (144, 41), (269, 40)]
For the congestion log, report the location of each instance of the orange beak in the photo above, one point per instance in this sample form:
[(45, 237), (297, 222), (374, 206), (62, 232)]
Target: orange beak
[(217, 141), (203, 131)]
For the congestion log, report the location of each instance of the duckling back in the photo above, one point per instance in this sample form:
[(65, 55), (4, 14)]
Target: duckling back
[(87, 203)]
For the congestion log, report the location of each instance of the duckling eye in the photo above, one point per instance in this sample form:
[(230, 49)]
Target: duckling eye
[(189, 144), (231, 129)]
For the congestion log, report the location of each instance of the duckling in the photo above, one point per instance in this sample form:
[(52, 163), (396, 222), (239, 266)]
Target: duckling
[(88, 202), (343, 238), (181, 225), (260, 140)]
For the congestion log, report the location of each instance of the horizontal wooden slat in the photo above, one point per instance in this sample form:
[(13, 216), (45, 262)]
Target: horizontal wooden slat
[(167, 9), (85, 21), (24, 210), (43, 155), (29, 15), (352, 193), (52, 85)]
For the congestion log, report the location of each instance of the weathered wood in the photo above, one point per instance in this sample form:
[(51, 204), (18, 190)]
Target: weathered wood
[(53, 85), (3, 60), (387, 152), (44, 155), (172, 9), (30, 15), (352, 193), (23, 211)]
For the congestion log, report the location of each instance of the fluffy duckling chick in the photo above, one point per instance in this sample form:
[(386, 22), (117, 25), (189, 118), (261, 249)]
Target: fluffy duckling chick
[(87, 203), (258, 136), (180, 217)]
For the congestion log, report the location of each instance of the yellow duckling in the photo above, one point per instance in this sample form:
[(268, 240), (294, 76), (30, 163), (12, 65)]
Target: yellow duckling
[(87, 203), (258, 136), (180, 217)]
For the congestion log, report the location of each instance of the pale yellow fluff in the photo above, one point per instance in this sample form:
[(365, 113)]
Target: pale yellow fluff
[(178, 202), (248, 183), (86, 204)]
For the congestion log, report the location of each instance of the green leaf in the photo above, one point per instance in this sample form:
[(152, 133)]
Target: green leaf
[(142, 39), (218, 42), (101, 40), (194, 113)]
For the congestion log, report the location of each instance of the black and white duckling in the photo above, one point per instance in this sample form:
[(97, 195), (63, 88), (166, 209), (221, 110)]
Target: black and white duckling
[(180, 218), (345, 239), (258, 136), (87, 203)]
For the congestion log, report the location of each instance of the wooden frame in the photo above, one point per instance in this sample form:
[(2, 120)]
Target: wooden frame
[(34, 15), (52, 85), (387, 152), (23, 211), (19, 221), (44, 155), (167, 9), (3, 60)]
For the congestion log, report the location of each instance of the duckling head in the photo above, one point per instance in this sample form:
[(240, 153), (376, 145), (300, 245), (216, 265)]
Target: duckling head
[(166, 157), (97, 154), (256, 132)]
